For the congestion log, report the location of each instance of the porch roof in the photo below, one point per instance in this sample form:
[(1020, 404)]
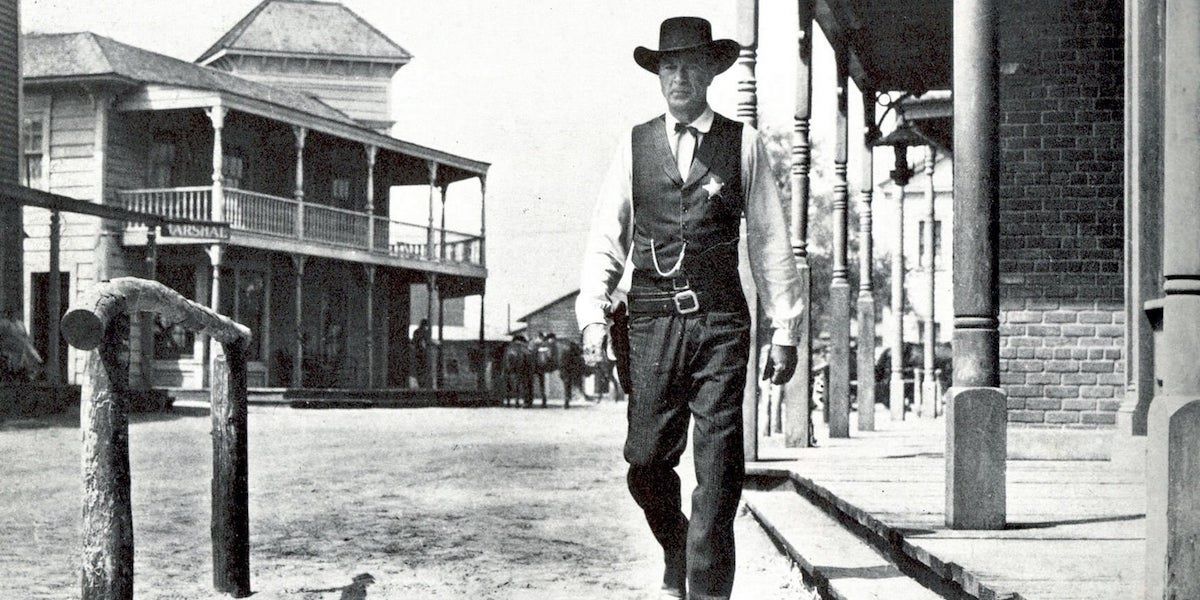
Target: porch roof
[(48, 58), (897, 45)]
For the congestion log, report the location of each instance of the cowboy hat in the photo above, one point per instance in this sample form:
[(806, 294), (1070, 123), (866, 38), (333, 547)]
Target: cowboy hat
[(687, 33)]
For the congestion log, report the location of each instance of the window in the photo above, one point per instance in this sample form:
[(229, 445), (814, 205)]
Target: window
[(171, 341), (250, 307), (937, 243), (341, 190), (162, 164), (34, 149), (232, 169)]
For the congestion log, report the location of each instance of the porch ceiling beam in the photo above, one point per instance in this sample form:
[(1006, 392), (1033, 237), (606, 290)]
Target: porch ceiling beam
[(160, 97)]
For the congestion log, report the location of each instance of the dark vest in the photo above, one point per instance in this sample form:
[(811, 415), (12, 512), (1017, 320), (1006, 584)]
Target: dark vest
[(670, 211)]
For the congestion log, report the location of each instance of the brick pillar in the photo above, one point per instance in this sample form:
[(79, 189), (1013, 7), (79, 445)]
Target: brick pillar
[(976, 419), (1173, 436)]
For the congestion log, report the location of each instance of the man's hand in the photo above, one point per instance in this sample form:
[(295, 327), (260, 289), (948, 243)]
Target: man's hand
[(781, 364), (595, 336)]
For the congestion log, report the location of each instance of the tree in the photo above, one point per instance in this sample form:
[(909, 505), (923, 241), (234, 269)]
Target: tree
[(820, 231)]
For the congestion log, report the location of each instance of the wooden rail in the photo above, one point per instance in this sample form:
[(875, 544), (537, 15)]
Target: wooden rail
[(99, 321)]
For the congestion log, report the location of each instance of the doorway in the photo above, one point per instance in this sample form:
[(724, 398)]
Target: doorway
[(40, 319)]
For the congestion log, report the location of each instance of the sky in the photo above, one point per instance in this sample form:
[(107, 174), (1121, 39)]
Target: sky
[(541, 89)]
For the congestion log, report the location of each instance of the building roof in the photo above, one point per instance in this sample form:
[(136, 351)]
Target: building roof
[(568, 296), (307, 27), (74, 55)]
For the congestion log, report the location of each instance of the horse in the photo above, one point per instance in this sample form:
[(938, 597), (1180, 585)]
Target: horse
[(565, 356), (19, 359), (516, 372)]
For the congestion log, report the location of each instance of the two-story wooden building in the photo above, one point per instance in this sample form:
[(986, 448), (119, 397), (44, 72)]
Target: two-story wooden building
[(277, 130)]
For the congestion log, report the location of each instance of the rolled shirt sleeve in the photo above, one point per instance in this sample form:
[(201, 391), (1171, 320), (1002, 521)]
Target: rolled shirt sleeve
[(771, 261), (608, 241)]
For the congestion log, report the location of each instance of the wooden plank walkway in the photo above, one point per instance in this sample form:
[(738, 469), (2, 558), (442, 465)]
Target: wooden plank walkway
[(1076, 528)]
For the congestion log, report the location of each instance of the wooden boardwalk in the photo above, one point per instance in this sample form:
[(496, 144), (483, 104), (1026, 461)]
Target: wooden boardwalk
[(1076, 528)]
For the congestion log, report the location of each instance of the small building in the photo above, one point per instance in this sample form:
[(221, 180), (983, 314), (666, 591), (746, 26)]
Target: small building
[(276, 133)]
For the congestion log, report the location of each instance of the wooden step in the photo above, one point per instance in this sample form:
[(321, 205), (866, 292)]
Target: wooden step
[(841, 565)]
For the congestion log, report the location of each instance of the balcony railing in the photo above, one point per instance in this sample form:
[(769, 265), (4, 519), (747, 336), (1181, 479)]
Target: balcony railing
[(281, 217)]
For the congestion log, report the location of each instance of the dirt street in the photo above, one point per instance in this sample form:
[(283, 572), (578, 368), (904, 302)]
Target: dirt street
[(431, 503)]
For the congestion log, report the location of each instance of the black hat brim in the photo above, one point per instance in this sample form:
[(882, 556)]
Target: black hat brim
[(724, 53)]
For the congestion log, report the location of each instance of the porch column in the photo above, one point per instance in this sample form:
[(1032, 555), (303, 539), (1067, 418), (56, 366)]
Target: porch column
[(216, 259), (747, 111), (1173, 428), (442, 235), (1143, 214), (216, 114), (301, 134), (896, 384), (976, 407), (797, 394), (147, 320), (441, 353), (370, 325), (929, 395), (433, 172), (838, 388), (371, 152), (53, 375), (431, 357), (482, 227), (866, 264), (298, 261)]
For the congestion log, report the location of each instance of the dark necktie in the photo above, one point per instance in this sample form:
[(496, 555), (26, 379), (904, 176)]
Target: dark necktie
[(679, 129)]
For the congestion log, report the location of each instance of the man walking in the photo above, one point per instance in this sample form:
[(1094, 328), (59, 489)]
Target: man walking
[(674, 198)]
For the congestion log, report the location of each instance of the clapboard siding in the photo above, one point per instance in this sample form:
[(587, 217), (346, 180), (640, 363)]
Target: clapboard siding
[(360, 99), (128, 144), (10, 130)]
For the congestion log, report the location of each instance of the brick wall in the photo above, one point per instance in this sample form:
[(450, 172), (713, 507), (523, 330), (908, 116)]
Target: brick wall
[(1061, 212)]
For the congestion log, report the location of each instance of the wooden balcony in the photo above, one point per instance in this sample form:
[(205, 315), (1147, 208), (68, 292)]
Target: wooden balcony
[(325, 230)]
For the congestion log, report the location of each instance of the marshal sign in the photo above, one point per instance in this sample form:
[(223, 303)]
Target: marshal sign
[(202, 230)]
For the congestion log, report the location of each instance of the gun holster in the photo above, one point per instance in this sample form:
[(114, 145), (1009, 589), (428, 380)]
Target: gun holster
[(618, 336)]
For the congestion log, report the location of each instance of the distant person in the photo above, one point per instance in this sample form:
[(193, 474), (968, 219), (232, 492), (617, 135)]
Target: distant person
[(421, 340), (674, 198)]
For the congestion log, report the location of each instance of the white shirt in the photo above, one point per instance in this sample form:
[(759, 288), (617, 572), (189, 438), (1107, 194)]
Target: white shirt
[(770, 251)]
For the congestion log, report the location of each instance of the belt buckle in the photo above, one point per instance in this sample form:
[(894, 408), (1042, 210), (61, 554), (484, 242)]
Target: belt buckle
[(686, 302)]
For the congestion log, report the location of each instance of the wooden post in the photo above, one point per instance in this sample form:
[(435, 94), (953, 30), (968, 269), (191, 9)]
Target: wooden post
[(370, 325), (231, 480), (301, 134), (107, 508), (99, 320), (1143, 213), (900, 175), (53, 374), (1173, 437), (929, 397), (442, 236), (147, 319), (431, 287), (976, 408), (866, 264), (797, 393), (298, 261), (433, 172), (371, 152), (441, 358), (481, 376), (748, 112), (216, 114), (838, 387), (483, 221)]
